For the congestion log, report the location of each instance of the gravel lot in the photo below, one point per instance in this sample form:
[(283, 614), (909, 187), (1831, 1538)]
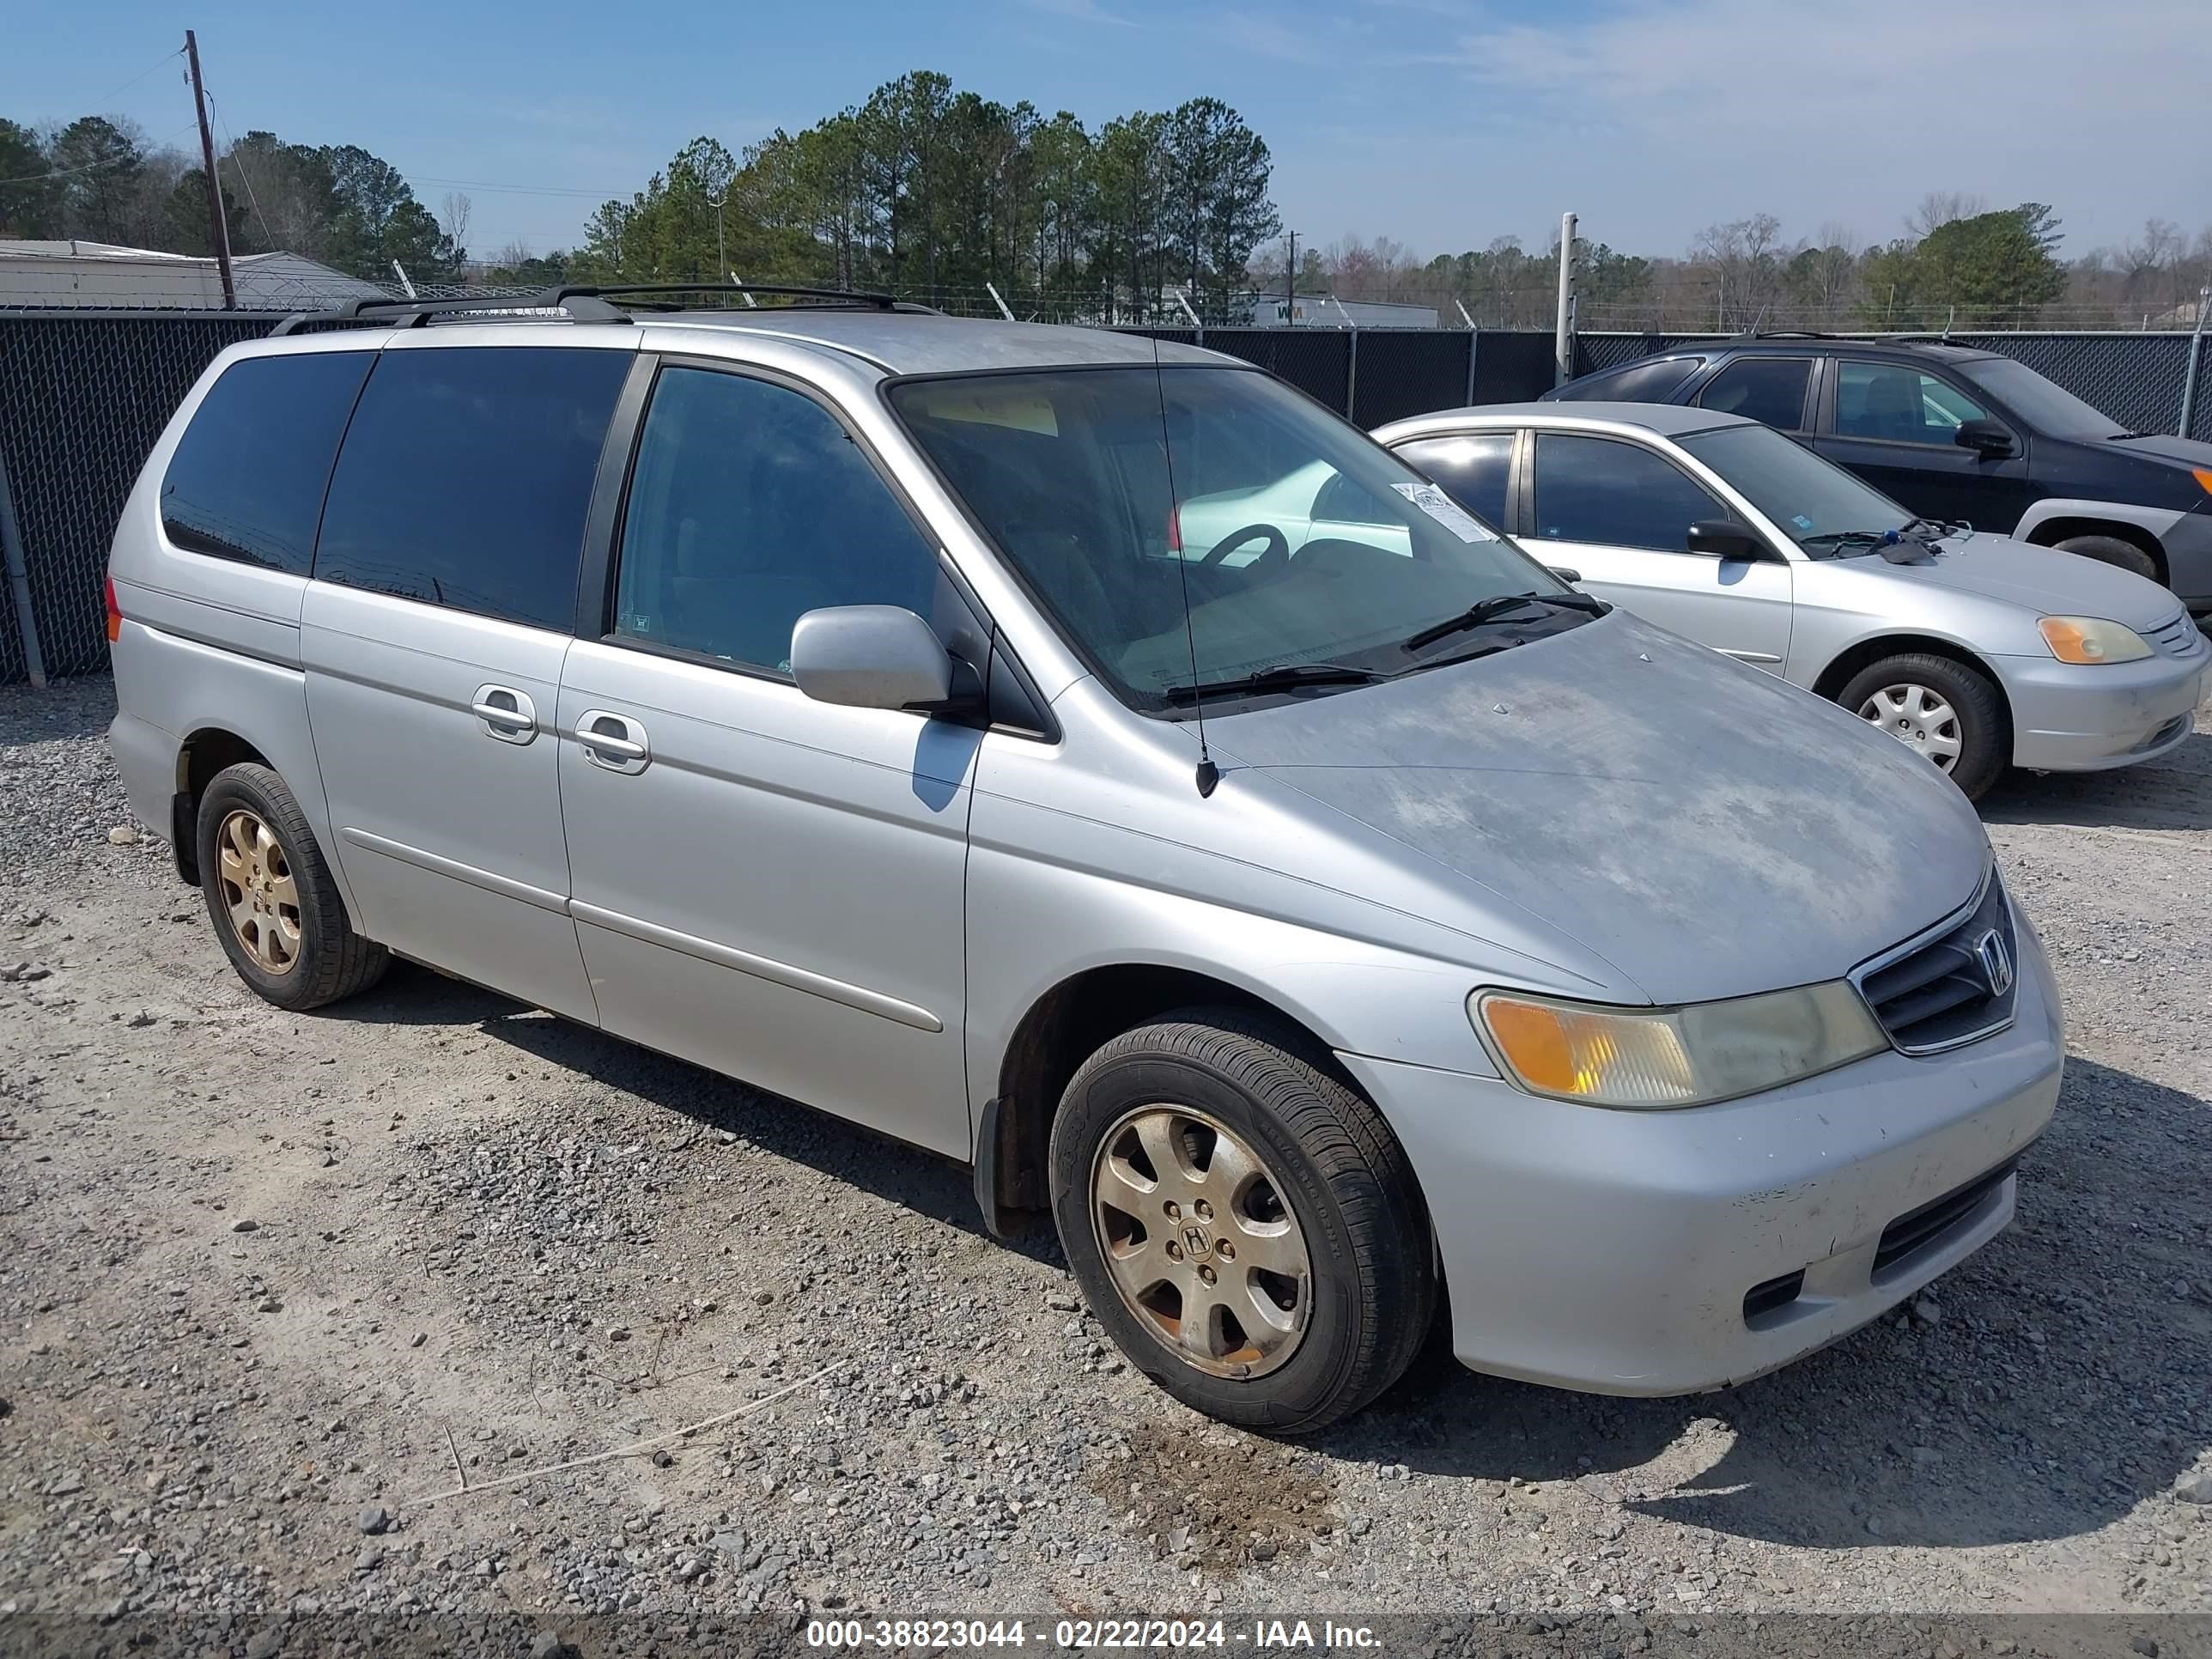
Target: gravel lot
[(274, 1284)]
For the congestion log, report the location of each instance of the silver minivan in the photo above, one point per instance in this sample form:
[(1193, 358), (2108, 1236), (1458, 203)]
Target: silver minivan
[(831, 695)]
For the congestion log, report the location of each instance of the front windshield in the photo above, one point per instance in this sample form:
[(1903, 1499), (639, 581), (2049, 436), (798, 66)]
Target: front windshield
[(1300, 542), (2044, 407), (1814, 501)]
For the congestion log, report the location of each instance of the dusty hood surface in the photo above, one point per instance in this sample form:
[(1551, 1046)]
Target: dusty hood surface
[(2043, 579), (1705, 828)]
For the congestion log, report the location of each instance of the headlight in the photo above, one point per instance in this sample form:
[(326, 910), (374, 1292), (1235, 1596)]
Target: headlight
[(2092, 639), (1652, 1058)]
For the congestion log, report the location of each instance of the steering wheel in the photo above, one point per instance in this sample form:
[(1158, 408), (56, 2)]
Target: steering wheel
[(1277, 547)]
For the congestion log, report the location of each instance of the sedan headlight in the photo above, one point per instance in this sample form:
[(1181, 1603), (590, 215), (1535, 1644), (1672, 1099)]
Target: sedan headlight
[(1651, 1059), (2092, 639)]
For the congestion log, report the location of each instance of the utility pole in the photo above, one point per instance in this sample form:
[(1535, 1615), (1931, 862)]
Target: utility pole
[(1563, 339), (218, 228), (1291, 284)]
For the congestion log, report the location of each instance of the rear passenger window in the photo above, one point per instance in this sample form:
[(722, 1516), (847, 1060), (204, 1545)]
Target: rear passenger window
[(1769, 389), (749, 507), (247, 477), (1471, 469), (465, 478)]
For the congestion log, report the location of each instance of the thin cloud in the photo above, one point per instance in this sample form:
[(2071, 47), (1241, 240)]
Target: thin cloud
[(1081, 11)]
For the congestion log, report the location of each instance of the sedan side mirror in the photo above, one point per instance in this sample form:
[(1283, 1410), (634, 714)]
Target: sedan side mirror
[(871, 656), (1986, 438), (1565, 573), (1724, 538)]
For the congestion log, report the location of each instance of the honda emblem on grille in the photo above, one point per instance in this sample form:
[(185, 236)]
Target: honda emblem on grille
[(1996, 962)]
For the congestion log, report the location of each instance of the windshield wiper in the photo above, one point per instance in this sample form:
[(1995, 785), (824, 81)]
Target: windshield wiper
[(1840, 540), (1923, 527), (1489, 609), (1280, 675)]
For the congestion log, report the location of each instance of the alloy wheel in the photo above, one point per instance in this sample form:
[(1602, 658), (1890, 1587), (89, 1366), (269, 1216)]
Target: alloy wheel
[(1200, 1245), (1920, 717), (258, 892)]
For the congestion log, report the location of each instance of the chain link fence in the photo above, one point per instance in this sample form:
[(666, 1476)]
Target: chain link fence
[(84, 395)]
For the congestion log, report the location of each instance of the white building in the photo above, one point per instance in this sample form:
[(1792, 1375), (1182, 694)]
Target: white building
[(1326, 311), (97, 274)]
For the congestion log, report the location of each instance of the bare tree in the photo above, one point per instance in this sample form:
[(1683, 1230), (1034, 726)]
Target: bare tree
[(453, 217), (1748, 260), (1938, 208)]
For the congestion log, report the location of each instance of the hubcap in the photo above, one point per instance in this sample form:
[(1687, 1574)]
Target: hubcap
[(259, 891), (1918, 717), (1201, 1247)]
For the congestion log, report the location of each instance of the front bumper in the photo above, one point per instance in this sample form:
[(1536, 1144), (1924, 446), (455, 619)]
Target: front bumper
[(2070, 718), (1613, 1251)]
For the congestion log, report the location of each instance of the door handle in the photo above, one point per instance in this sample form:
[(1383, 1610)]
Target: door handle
[(507, 714), (613, 741)]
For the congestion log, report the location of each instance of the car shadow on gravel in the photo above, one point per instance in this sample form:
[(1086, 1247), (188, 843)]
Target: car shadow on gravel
[(2060, 1385), (910, 1176), (2173, 792)]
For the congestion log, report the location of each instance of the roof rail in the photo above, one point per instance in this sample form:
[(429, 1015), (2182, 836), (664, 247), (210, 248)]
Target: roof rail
[(577, 303), (413, 313), (840, 295)]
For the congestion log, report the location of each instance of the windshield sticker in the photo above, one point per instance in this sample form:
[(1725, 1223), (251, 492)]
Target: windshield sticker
[(1800, 521), (1444, 510)]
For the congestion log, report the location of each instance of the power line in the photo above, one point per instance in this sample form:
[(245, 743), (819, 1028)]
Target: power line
[(244, 177), (164, 58), (91, 166)]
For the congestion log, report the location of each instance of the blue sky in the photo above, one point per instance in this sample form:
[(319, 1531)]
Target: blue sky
[(1439, 123)]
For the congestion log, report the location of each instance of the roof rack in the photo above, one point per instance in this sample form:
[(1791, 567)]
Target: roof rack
[(576, 304)]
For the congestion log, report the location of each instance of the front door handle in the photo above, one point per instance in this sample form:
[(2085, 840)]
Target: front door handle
[(506, 714), (614, 742)]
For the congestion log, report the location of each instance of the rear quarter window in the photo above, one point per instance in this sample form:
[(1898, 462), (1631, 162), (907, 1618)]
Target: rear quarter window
[(466, 476), (1638, 383), (247, 477)]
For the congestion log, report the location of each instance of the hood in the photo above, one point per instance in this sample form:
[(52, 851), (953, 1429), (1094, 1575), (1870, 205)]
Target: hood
[(2182, 452), (2041, 579), (1705, 828)]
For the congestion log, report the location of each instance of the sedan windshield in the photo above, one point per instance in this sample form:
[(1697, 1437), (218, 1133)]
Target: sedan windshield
[(1825, 509), (2046, 407), (1196, 526)]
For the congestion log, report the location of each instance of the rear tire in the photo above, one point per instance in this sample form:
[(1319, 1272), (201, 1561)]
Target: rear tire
[(1269, 1152), (271, 897), (1952, 713), (2111, 549)]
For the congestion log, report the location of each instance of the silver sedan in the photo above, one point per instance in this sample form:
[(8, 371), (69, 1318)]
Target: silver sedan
[(1977, 650)]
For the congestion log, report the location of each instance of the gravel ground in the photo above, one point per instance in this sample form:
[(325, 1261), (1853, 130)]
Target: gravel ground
[(276, 1285)]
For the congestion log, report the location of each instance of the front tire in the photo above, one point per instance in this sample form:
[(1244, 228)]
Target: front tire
[(1949, 713), (1242, 1221), (2111, 549), (274, 904)]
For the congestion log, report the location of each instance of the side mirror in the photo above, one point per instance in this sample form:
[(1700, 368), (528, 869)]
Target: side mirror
[(1565, 573), (1986, 438), (871, 656), (1724, 538)]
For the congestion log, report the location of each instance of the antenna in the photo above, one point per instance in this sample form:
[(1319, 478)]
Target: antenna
[(1209, 774)]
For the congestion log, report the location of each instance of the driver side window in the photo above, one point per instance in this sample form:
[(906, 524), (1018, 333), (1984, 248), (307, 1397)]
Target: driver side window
[(749, 507)]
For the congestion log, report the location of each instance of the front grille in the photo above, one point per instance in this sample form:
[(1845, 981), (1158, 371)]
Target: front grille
[(1929, 1225), (2176, 638), (1938, 992)]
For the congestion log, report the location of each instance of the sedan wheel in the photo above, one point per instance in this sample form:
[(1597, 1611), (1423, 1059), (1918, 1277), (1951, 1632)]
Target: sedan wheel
[(1203, 1252), (1919, 717)]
